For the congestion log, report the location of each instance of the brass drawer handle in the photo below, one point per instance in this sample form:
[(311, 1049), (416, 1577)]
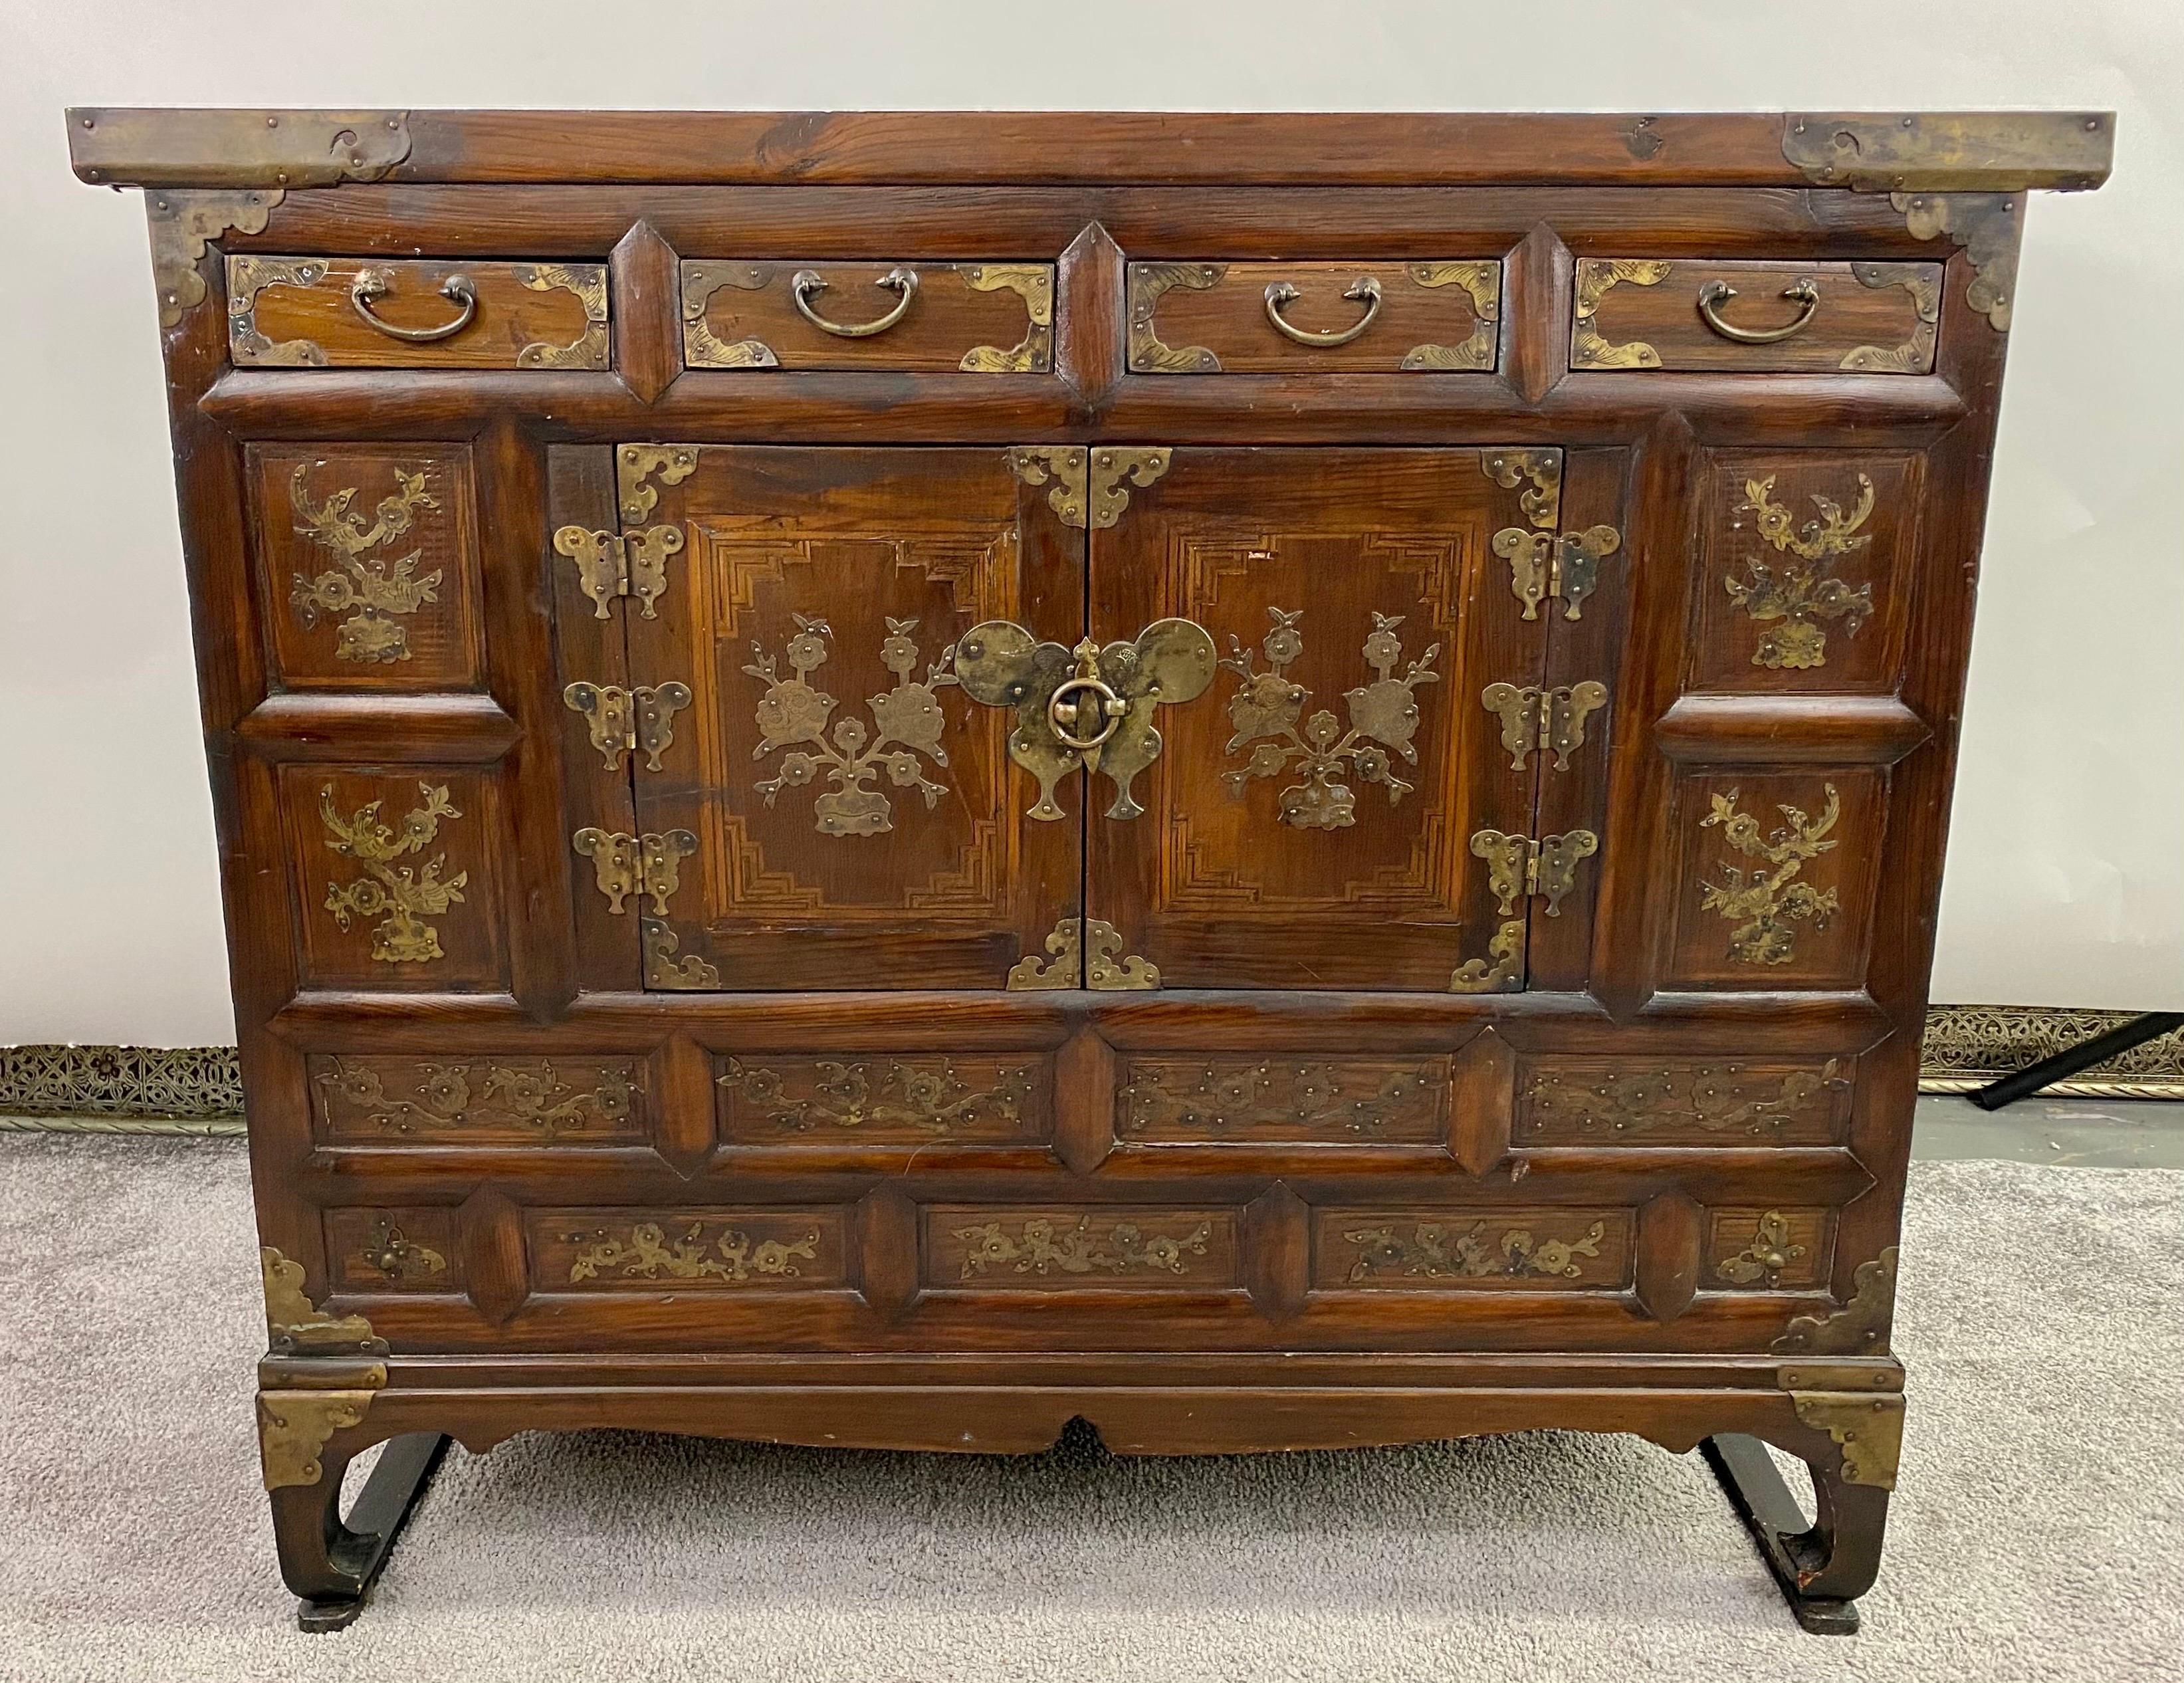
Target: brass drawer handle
[(374, 284), (1364, 290), (1715, 294), (807, 284)]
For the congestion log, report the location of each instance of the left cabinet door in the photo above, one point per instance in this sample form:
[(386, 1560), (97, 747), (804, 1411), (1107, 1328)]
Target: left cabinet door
[(818, 804)]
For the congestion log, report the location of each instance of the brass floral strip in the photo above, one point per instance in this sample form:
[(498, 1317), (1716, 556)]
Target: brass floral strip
[(589, 282), (907, 721), (1869, 1427), (445, 1097), (1541, 470), (1594, 277), (636, 466), (1854, 1330), (1551, 720), (1032, 282), (1431, 1251), (930, 1096), (1716, 1098), (1482, 280), (1800, 597), (1915, 355), (248, 276), (627, 721), (1761, 1260), (390, 1252), (373, 591), (648, 1253), (1108, 968), (1039, 1247), (293, 1427), (662, 968), (1267, 710), (405, 896), (1772, 901), (624, 864), (183, 225), (1066, 465), (1059, 969), (1147, 282), (1504, 974), (701, 347), (1299, 1095)]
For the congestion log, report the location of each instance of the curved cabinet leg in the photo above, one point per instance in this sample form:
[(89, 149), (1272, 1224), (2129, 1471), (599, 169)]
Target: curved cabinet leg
[(330, 1559), (1821, 1566)]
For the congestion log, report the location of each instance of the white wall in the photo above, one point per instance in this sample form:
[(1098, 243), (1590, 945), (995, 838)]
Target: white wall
[(2066, 877)]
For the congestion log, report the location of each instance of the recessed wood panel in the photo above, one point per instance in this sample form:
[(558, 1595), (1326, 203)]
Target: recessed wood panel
[(1768, 1250), (306, 312), (1183, 1101), (980, 317), (367, 565), (1806, 571), (394, 1250), (1776, 884), (1213, 318), (885, 1098), (1668, 1101), (688, 1250), (1862, 318), (512, 1101), (1475, 1250), (1099, 1247), (395, 877)]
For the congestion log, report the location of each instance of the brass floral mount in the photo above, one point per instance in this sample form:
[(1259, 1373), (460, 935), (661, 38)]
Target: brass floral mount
[(1431, 1251), (1804, 593), (1266, 708), (648, 1253), (932, 1097), (454, 1096), (372, 590), (1039, 1247), (1087, 706), (1867, 1426), (1773, 901), (1762, 1260), (906, 722), (401, 897)]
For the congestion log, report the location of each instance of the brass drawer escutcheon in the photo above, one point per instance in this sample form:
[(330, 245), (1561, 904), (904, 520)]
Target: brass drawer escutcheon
[(624, 722), (1087, 706)]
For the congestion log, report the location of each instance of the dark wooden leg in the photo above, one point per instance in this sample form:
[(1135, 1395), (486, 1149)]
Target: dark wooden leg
[(331, 1561), (1822, 1566)]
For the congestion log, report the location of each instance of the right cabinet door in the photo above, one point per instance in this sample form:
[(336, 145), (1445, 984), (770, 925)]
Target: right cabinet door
[(1339, 809)]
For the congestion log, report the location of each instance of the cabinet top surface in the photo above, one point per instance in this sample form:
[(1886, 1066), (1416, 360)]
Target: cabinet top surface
[(1932, 152)]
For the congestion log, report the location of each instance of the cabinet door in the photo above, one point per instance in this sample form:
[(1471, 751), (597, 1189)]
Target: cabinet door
[(1311, 818), (841, 814)]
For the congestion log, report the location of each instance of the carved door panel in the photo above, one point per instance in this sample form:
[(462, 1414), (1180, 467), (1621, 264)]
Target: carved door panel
[(829, 807), (1316, 818)]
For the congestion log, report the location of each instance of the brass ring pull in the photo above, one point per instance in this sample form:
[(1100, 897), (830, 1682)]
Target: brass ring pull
[(807, 284), (375, 284), (1065, 711), (1364, 290), (1715, 293)]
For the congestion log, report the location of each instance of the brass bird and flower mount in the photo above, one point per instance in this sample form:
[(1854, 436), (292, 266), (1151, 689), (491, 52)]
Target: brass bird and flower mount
[(1089, 705)]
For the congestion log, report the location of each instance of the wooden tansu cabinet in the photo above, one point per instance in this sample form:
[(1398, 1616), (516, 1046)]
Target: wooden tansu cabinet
[(1277, 781)]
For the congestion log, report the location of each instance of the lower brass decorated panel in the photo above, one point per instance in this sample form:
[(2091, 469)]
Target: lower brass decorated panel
[(1663, 1101), (1398, 1101), (1472, 1249), (882, 1099), (981, 1247), (478, 1101), (699, 1249)]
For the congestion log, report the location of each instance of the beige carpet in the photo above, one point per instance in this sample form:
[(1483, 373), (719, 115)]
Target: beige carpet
[(2037, 1532)]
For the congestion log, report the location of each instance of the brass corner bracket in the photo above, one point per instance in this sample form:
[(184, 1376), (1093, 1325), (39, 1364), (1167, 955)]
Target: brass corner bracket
[(1854, 1330), (293, 1427), (1089, 486), (183, 226), (296, 1326), (1097, 944), (636, 464), (1867, 1425)]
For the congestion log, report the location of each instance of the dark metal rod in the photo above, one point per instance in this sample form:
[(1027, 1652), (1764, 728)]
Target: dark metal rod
[(2068, 1063)]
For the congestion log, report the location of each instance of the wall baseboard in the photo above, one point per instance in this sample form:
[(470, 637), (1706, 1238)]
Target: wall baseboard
[(197, 1091)]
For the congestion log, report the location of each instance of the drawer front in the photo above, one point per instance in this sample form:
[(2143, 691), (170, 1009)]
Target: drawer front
[(1480, 1250), (1724, 1102), (1286, 318), (341, 312), (1635, 313), (980, 318)]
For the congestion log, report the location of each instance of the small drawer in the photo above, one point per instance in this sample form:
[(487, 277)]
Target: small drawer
[(980, 318), (1287, 318), (1635, 313), (343, 312)]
